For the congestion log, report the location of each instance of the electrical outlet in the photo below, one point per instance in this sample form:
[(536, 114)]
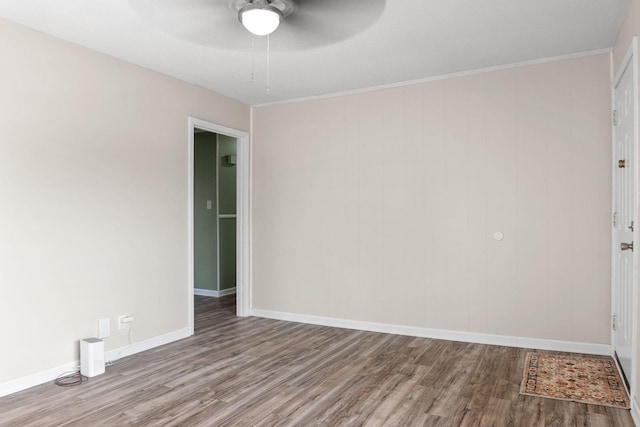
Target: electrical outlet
[(124, 320), (104, 328)]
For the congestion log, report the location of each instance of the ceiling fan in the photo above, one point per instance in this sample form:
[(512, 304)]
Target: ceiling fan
[(301, 24)]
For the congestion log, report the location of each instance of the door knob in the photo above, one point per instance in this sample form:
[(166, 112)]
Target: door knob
[(626, 246)]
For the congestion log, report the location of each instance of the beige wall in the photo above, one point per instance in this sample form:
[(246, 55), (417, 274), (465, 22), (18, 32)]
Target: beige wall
[(381, 206), (630, 28), (93, 182)]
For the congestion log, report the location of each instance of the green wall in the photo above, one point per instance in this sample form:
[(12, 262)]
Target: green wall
[(205, 230), (206, 161), (227, 199)]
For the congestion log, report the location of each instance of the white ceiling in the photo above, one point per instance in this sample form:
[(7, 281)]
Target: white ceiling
[(411, 40)]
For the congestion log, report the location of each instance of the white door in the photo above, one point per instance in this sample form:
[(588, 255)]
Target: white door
[(624, 218)]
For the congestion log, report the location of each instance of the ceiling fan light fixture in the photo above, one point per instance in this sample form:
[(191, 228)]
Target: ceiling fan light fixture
[(260, 18)]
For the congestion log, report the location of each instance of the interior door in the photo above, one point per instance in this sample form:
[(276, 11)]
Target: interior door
[(624, 218)]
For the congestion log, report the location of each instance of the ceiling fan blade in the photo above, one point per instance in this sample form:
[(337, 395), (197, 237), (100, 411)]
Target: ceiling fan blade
[(342, 6), (307, 24), (316, 23), (206, 22)]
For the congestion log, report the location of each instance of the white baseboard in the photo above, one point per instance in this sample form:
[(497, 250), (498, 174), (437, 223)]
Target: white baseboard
[(204, 292), (215, 294), (37, 378), (228, 291), (140, 346), (473, 337)]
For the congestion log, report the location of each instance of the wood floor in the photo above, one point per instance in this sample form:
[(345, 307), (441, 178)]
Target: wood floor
[(259, 372)]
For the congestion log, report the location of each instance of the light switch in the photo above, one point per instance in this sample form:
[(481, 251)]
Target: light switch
[(208, 204)]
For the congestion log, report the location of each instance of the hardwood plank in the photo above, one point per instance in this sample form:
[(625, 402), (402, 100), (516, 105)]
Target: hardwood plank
[(260, 372)]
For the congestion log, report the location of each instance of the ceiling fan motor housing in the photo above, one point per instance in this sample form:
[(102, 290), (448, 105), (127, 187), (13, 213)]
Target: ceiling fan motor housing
[(259, 17)]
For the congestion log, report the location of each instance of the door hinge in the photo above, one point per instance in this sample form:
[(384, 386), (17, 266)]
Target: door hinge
[(614, 117), (614, 219), (614, 325)]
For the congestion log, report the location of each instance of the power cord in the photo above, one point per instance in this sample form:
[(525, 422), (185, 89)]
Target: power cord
[(130, 332), (130, 336), (70, 379)]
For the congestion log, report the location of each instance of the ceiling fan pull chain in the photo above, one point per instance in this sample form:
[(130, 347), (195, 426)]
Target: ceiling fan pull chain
[(253, 74), (268, 65)]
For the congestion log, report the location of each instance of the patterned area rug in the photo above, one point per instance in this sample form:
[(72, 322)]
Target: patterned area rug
[(584, 379)]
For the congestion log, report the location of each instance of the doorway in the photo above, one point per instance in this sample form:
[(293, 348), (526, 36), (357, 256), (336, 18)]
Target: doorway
[(624, 259), (241, 216), (214, 214)]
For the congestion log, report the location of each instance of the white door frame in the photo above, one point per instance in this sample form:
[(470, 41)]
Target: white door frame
[(243, 223), (630, 60)]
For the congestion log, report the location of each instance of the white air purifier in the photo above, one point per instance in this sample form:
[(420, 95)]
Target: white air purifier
[(91, 357)]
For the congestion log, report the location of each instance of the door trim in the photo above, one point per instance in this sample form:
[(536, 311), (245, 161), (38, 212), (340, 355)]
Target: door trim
[(630, 60), (243, 222)]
